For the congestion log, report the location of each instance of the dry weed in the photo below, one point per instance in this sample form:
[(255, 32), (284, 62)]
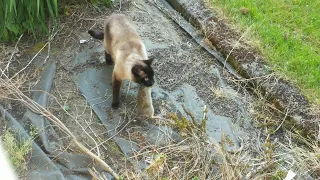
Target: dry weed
[(305, 160), (195, 157), (191, 158)]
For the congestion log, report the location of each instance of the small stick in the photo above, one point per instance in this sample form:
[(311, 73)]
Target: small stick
[(45, 45), (13, 53)]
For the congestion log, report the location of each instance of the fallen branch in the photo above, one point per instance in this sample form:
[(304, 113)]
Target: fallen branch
[(96, 175)]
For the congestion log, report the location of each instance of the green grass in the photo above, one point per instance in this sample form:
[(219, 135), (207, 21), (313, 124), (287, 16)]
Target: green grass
[(288, 35), (17, 151), (19, 16)]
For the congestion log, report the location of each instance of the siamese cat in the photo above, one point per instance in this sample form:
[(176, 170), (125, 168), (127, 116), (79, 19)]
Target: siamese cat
[(125, 48)]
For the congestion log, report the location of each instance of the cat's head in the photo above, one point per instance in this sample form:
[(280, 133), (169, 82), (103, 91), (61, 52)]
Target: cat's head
[(143, 72)]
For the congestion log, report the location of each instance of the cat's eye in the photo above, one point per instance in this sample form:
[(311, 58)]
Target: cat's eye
[(146, 79)]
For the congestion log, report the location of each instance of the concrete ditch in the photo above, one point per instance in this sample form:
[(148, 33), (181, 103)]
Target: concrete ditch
[(246, 60)]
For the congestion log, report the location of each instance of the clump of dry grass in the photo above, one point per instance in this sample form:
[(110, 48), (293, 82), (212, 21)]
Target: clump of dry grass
[(7, 55), (275, 155), (195, 157), (6, 85), (230, 165), (192, 158), (305, 159), (188, 159), (308, 161)]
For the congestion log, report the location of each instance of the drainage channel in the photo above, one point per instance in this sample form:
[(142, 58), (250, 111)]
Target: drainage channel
[(167, 9)]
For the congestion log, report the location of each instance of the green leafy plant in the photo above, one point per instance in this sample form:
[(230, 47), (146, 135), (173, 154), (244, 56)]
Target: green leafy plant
[(66, 108), (19, 16)]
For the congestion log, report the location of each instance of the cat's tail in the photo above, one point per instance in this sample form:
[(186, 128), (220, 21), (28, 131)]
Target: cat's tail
[(96, 34)]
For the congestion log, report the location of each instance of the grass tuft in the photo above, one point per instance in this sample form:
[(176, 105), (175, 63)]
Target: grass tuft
[(17, 151)]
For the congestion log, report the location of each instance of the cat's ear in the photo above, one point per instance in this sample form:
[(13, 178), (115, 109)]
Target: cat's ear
[(149, 61), (137, 70)]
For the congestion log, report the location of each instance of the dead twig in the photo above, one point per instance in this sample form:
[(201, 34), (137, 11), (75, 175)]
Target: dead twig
[(13, 53), (96, 175), (236, 44), (45, 45)]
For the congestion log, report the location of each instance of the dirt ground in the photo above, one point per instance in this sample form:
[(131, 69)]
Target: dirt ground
[(178, 60)]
